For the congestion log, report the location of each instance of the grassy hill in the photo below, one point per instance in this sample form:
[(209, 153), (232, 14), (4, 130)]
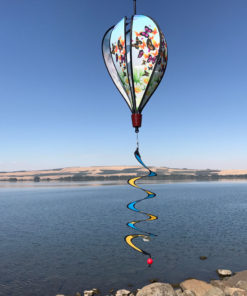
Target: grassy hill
[(118, 173)]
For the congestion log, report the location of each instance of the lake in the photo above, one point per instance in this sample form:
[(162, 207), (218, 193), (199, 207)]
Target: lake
[(60, 238)]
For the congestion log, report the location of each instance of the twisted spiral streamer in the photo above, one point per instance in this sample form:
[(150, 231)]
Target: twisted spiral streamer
[(131, 206)]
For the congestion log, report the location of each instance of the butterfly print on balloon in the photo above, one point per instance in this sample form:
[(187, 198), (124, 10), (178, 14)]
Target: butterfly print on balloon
[(146, 32), (150, 44), (151, 59), (145, 73), (141, 52), (120, 46), (121, 60), (113, 49), (138, 43)]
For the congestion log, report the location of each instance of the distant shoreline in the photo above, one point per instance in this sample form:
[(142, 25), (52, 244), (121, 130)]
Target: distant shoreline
[(120, 173)]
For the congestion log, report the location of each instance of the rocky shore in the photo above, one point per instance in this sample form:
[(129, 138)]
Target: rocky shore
[(228, 284)]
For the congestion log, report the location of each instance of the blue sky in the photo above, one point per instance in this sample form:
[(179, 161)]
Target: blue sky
[(60, 108)]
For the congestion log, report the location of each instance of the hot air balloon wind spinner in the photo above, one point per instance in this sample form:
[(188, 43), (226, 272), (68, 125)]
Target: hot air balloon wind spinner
[(135, 55)]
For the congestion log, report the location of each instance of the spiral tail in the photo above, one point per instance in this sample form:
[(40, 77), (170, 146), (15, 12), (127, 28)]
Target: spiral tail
[(132, 206)]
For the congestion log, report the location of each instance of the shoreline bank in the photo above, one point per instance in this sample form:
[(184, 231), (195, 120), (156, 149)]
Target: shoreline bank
[(120, 173), (228, 284), (76, 184)]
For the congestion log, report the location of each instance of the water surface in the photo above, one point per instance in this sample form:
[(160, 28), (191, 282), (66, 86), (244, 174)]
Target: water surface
[(63, 239)]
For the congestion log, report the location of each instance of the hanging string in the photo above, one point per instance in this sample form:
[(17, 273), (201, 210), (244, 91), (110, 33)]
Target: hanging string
[(131, 206), (134, 2)]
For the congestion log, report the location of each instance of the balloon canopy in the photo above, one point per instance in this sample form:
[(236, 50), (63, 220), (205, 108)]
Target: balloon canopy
[(135, 54)]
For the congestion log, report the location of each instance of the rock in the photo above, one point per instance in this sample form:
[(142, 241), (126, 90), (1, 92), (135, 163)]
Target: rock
[(178, 292), (229, 291), (219, 284), (224, 272), (157, 289), (175, 285), (88, 293), (122, 292), (188, 293), (239, 293), (96, 291), (92, 292), (239, 276), (214, 291), (203, 257), (242, 285), (200, 288)]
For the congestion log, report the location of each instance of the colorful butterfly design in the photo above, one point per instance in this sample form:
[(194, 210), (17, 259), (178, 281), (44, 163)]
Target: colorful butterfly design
[(120, 46), (141, 52), (113, 49), (145, 73), (150, 68), (147, 31), (137, 44), (151, 59), (121, 60), (150, 44), (143, 62)]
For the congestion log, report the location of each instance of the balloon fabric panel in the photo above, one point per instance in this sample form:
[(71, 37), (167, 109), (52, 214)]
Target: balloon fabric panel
[(144, 51), (118, 52), (110, 66), (158, 73)]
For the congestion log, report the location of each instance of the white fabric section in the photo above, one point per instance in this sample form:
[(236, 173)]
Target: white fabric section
[(111, 68)]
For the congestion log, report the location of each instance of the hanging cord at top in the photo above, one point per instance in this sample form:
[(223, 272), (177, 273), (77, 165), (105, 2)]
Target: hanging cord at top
[(134, 2)]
